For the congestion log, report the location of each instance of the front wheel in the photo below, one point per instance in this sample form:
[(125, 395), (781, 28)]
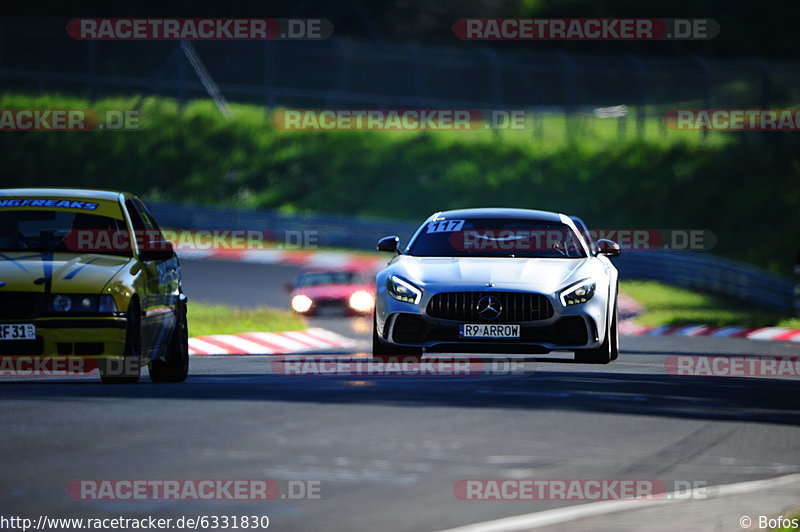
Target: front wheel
[(385, 351), (608, 350), (127, 370), (176, 367)]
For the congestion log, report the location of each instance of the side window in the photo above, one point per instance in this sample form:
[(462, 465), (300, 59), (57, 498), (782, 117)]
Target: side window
[(136, 217), (149, 221), (143, 224)]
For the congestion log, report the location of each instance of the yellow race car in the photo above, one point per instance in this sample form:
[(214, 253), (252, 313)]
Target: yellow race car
[(86, 275)]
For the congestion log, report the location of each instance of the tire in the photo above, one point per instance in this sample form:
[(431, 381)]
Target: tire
[(176, 367), (608, 350), (385, 351), (129, 370)]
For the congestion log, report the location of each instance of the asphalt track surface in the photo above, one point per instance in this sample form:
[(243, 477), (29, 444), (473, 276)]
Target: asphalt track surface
[(388, 450)]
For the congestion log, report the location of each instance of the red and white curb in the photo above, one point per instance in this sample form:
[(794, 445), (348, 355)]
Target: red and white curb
[(773, 334), (304, 258), (268, 343)]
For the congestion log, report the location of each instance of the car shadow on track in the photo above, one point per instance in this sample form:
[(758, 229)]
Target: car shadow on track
[(725, 398)]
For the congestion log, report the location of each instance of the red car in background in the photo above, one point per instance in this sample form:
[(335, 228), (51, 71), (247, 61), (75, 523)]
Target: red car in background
[(333, 292)]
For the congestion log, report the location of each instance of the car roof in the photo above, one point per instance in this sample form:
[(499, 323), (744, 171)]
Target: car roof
[(108, 195), (500, 213)]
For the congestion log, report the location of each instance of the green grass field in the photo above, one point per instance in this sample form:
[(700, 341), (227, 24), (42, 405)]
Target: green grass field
[(205, 319), (606, 174), (795, 517), (670, 305)]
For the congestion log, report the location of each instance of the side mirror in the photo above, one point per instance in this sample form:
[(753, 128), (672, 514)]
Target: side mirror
[(606, 247), (288, 287), (157, 250), (389, 244)]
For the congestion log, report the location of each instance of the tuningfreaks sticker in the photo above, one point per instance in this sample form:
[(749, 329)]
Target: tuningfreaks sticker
[(64, 204)]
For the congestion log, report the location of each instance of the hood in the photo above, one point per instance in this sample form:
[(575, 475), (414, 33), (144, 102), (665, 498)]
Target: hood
[(540, 275), (74, 273), (332, 291)]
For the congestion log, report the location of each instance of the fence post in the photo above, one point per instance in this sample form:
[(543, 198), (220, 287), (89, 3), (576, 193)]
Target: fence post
[(706, 70), (180, 83), (766, 78), (91, 70), (797, 286), (269, 76), (569, 71), (343, 70), (420, 77), (1, 52), (641, 98), (495, 83)]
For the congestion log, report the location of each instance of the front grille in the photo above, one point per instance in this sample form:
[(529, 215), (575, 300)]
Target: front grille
[(21, 305), (329, 303), (517, 306)]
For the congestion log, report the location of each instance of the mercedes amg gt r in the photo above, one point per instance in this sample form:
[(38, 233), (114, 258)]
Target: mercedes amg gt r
[(497, 281)]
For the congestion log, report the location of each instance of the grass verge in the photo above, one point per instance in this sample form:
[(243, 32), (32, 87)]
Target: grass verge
[(671, 305), (791, 520), (564, 163), (205, 319)]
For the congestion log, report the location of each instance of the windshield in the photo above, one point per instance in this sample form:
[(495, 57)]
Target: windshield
[(44, 230), (496, 238), (322, 278)]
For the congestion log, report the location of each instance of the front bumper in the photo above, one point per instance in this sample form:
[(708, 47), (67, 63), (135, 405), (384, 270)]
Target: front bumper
[(561, 328), (564, 333), (101, 337), (333, 307)]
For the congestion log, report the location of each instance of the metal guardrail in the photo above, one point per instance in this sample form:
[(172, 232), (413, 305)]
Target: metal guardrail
[(710, 273), (682, 268), (329, 230)]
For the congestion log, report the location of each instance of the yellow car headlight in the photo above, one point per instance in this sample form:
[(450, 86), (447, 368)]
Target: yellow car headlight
[(83, 303)]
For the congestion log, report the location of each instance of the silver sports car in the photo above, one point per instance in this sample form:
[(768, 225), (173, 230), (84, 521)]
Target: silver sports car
[(497, 281)]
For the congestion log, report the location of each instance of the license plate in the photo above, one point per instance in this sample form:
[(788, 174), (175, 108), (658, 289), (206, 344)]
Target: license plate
[(484, 330), (329, 311), (17, 331)]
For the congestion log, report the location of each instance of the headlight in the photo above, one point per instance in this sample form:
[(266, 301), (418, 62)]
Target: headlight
[(403, 290), (361, 301), (580, 292), (83, 303), (301, 303), (106, 304), (61, 303)]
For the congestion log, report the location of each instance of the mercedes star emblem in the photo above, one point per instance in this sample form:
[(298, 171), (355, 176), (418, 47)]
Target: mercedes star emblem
[(489, 307)]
